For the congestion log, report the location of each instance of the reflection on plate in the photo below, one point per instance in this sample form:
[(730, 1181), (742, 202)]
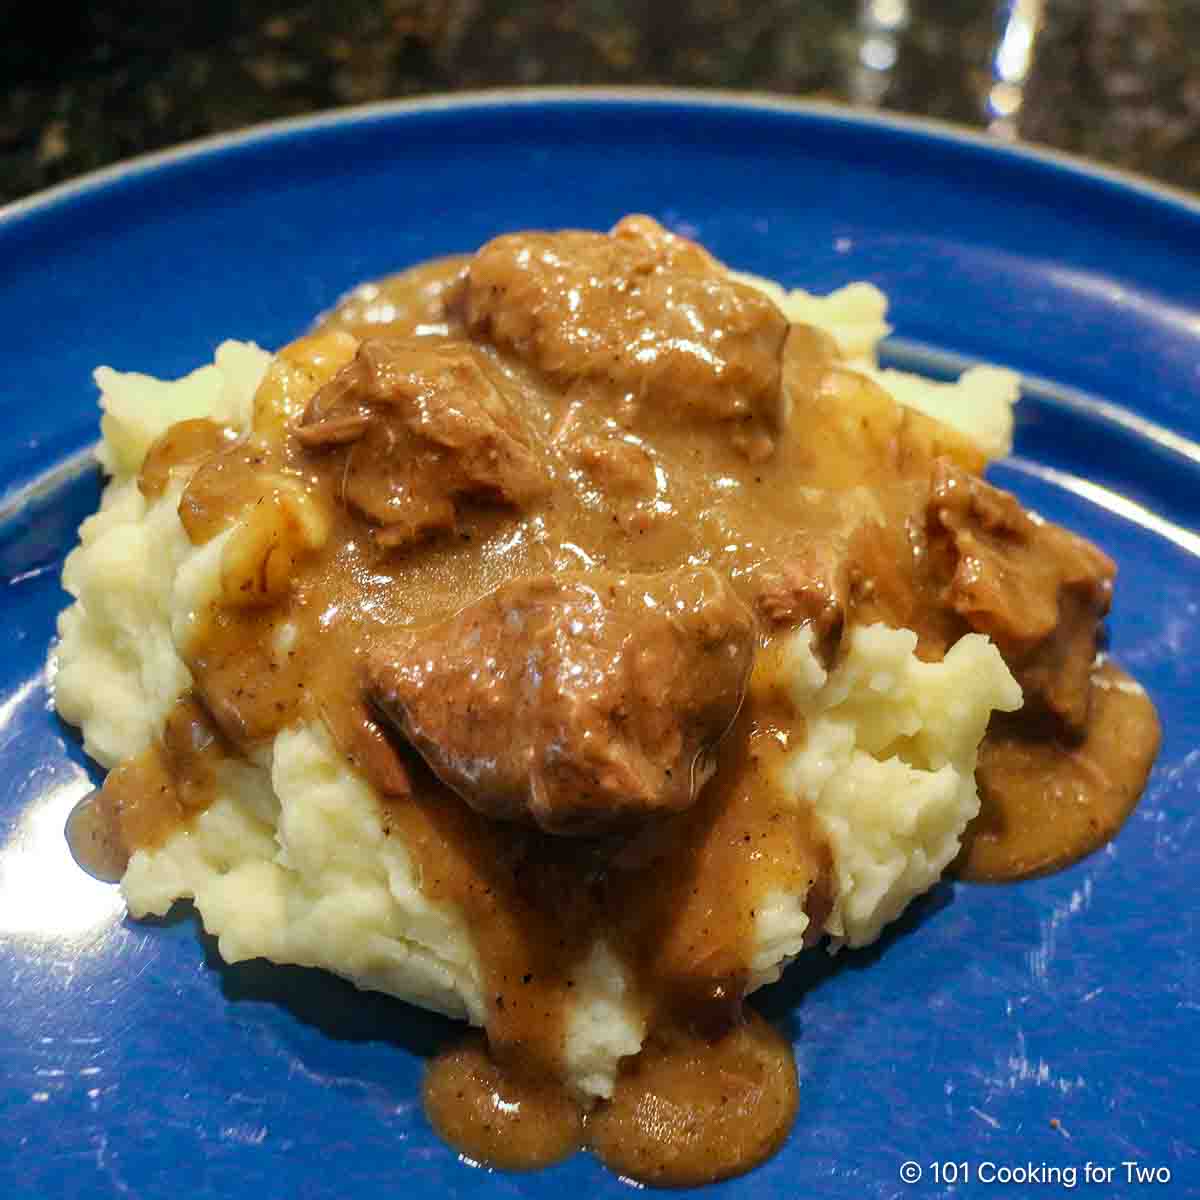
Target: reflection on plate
[(1044, 1023)]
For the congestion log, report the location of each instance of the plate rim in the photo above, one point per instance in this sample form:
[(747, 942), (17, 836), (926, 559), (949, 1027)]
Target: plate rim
[(921, 127)]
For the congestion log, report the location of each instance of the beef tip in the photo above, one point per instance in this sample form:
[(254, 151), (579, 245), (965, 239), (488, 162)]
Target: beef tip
[(424, 426), (581, 702), (1038, 591), (650, 314), (808, 587)]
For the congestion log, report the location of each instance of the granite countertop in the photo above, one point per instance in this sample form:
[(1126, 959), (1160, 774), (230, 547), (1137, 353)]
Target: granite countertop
[(1117, 80)]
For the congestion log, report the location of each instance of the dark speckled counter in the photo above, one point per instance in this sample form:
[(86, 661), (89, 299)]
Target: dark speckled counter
[(1117, 80)]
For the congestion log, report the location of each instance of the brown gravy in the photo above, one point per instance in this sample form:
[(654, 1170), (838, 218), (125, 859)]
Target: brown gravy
[(497, 1115), (685, 1111), (385, 486), (1044, 802), (688, 1111), (145, 799)]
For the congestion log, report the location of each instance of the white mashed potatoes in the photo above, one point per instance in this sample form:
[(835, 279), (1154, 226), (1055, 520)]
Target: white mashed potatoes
[(291, 863)]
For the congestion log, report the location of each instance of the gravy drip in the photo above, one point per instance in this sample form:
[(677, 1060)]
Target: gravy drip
[(501, 1116), (759, 456), (1045, 802), (685, 1111), (146, 798), (184, 446)]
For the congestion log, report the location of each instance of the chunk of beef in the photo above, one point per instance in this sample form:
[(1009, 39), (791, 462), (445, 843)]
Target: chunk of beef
[(650, 314), (424, 425), (1038, 591), (581, 702)]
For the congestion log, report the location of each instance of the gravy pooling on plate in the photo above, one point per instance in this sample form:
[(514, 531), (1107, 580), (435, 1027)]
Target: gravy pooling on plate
[(525, 531)]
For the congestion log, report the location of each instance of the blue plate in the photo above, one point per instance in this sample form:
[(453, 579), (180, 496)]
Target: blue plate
[(1039, 1026)]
